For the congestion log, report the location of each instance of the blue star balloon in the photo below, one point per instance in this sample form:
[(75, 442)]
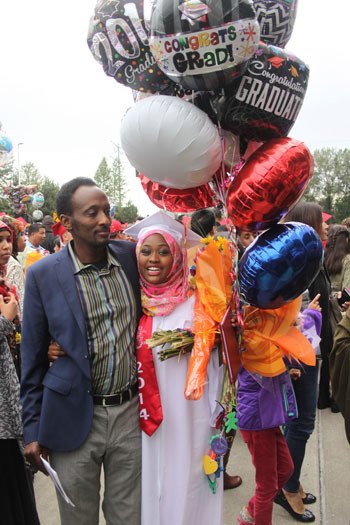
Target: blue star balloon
[(280, 265)]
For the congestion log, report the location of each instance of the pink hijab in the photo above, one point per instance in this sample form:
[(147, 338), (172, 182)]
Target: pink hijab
[(161, 299)]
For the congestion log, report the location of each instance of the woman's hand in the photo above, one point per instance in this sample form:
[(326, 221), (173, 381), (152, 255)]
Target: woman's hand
[(315, 305), (54, 352), (295, 373), (343, 306), (8, 307)]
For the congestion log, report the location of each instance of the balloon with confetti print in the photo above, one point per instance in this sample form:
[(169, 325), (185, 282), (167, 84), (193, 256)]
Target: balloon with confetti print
[(276, 20), (203, 45), (118, 39), (265, 101)]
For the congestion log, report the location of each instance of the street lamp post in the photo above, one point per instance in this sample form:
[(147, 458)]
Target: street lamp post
[(18, 163)]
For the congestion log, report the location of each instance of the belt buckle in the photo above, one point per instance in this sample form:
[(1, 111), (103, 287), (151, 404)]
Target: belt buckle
[(104, 402)]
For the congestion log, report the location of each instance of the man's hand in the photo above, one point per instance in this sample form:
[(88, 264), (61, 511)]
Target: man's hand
[(54, 352), (32, 453)]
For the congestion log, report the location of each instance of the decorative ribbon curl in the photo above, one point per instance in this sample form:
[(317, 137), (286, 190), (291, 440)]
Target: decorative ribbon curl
[(270, 335), (214, 294)]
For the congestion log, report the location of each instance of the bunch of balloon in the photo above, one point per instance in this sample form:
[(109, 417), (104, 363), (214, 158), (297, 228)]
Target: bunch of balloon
[(218, 94), (168, 50)]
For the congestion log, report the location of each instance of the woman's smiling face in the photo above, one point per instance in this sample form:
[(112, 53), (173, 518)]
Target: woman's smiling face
[(155, 259)]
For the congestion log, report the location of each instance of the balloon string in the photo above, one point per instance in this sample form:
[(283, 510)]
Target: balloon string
[(163, 202)]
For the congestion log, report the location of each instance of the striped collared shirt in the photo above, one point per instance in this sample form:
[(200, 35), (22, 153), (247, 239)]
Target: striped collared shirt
[(109, 309)]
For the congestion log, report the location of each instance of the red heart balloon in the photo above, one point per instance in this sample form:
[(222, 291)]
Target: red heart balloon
[(273, 179), (175, 200)]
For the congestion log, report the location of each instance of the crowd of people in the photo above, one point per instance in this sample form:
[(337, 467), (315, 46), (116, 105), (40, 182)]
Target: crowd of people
[(79, 384)]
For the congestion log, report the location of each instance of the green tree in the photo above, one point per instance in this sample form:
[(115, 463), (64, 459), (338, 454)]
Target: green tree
[(103, 177), (6, 178), (49, 189), (111, 179), (118, 181), (127, 213), (330, 185)]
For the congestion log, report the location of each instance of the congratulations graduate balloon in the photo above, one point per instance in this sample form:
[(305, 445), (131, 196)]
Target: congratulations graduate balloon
[(118, 40), (280, 265), (203, 45), (276, 19), (265, 101)]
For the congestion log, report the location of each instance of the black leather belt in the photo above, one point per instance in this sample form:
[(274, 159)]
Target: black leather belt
[(116, 399)]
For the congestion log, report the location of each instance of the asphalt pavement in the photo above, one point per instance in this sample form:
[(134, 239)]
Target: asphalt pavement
[(326, 473)]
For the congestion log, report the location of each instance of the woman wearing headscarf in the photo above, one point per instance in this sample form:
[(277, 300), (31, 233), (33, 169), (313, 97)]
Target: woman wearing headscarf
[(15, 274), (176, 431), (16, 500)]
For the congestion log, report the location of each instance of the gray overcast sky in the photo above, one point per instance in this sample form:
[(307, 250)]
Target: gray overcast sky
[(56, 99)]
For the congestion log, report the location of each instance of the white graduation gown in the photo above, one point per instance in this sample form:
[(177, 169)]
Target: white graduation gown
[(175, 490)]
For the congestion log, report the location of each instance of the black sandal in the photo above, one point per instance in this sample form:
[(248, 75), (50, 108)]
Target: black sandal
[(307, 517)]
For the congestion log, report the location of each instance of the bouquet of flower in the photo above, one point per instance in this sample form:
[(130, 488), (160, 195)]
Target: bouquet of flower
[(179, 342)]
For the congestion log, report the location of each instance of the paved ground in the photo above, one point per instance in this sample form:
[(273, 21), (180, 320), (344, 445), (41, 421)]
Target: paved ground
[(326, 473)]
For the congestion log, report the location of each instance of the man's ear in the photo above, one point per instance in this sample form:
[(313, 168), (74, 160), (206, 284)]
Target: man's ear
[(66, 222)]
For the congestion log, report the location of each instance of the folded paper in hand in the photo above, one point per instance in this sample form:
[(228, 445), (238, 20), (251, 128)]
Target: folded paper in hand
[(53, 475)]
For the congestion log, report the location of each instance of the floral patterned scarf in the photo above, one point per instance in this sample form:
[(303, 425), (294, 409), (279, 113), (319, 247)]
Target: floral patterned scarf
[(161, 299)]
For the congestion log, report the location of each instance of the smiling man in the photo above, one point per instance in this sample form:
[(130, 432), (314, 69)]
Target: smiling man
[(83, 410)]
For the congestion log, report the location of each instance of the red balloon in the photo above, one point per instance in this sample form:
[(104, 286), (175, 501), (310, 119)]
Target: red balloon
[(175, 200), (271, 181)]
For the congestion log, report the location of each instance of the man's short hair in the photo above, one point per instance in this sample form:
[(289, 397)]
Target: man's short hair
[(65, 194), (34, 228), (48, 220), (203, 222)]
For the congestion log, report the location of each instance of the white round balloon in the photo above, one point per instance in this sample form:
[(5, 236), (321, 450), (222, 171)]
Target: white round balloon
[(38, 200), (171, 141)]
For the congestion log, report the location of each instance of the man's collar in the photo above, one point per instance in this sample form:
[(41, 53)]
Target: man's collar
[(78, 266)]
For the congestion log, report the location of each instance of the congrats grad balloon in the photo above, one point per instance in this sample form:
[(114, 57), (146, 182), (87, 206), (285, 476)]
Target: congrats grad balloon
[(264, 103), (203, 45), (118, 40), (276, 19)]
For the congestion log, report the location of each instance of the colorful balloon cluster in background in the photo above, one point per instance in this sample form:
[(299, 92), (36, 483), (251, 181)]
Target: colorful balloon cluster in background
[(20, 196), (218, 96), (5, 148)]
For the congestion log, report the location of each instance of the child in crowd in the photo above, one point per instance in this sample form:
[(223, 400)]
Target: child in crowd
[(265, 404)]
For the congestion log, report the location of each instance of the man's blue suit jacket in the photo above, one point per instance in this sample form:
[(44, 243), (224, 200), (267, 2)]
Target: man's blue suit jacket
[(57, 400)]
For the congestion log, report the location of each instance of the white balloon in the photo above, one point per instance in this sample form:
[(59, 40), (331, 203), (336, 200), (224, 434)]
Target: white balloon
[(171, 141)]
